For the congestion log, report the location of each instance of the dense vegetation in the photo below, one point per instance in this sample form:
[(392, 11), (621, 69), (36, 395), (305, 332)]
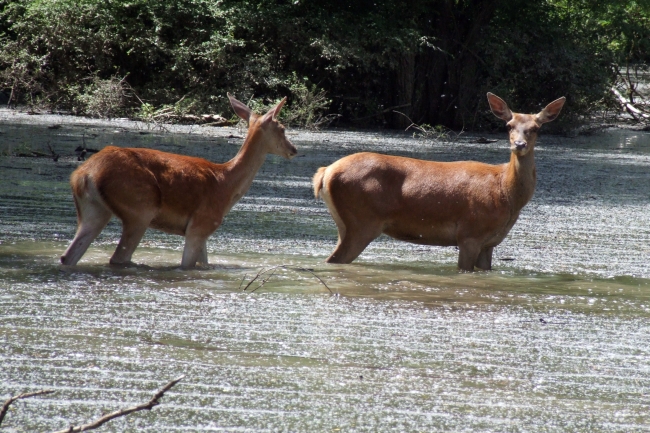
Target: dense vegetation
[(432, 60)]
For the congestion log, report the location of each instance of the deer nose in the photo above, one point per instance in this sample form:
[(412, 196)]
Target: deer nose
[(520, 145), (292, 151)]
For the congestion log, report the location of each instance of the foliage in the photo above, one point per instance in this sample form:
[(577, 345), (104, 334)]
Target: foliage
[(22, 73), (309, 104), (540, 58), (104, 98), (433, 59)]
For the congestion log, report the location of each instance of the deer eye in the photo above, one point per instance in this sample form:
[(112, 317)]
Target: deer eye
[(509, 127)]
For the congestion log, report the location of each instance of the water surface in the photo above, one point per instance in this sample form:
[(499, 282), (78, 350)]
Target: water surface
[(556, 338)]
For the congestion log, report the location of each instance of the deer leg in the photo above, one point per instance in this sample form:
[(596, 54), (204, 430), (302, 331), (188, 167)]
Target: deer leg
[(484, 260), (93, 217), (468, 255), (352, 242), (203, 254), (132, 233), (195, 250)]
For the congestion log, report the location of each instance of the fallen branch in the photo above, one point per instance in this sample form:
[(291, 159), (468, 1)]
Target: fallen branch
[(123, 412), (631, 109), (272, 271), (5, 406), (224, 122), (55, 156)]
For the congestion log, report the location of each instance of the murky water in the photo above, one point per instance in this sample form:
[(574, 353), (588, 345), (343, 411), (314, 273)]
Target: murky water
[(556, 338)]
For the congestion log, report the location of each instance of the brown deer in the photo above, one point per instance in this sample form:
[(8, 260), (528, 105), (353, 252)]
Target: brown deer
[(467, 204), (177, 194)]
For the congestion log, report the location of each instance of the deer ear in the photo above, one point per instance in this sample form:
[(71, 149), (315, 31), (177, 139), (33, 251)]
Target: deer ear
[(240, 108), (551, 111), (499, 107), (274, 112)]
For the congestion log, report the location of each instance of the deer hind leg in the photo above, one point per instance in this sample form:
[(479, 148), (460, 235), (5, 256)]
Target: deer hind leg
[(484, 260), (132, 232), (352, 241), (92, 217)]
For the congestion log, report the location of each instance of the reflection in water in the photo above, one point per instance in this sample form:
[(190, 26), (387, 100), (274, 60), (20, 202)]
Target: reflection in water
[(558, 335), (629, 142)]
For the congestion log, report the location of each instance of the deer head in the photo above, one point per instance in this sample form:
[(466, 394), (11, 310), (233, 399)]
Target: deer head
[(523, 128), (271, 132)]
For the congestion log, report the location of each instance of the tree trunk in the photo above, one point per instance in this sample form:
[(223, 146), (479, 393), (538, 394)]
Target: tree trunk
[(443, 82)]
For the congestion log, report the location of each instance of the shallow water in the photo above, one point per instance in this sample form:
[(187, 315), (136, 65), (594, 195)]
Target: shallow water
[(556, 338)]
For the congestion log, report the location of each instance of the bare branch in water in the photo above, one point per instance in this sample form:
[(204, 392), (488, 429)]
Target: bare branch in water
[(259, 274), (5, 406), (266, 279), (242, 281), (123, 412), (272, 271), (316, 276)]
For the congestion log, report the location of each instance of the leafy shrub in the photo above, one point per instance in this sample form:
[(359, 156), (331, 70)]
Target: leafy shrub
[(105, 98), (21, 73), (309, 104), (540, 58), (361, 60)]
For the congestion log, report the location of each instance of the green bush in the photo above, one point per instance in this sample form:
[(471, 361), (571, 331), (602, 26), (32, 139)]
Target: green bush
[(360, 60), (540, 57)]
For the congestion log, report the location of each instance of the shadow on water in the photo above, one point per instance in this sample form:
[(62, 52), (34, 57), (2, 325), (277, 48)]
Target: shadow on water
[(557, 337)]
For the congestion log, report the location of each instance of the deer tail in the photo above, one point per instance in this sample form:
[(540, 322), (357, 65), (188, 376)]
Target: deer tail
[(318, 181)]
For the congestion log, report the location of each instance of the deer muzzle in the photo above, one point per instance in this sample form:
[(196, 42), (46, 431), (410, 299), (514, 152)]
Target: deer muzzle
[(291, 150)]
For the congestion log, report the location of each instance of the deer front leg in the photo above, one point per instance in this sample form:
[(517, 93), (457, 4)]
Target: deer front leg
[(195, 251), (203, 255), (468, 254), (196, 239), (484, 260)]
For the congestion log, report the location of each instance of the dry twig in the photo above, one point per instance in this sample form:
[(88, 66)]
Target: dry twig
[(427, 131), (5, 406), (123, 412), (55, 156), (272, 271)]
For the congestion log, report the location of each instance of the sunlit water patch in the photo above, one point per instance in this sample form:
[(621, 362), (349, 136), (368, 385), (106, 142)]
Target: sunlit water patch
[(270, 338)]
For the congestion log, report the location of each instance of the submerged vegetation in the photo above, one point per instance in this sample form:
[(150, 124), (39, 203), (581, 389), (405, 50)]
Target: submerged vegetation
[(358, 62)]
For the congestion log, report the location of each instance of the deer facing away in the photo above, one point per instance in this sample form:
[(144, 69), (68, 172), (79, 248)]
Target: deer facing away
[(467, 204), (177, 194)]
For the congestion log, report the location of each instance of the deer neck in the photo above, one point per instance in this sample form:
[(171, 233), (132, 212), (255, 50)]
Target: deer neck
[(241, 170), (520, 179)]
